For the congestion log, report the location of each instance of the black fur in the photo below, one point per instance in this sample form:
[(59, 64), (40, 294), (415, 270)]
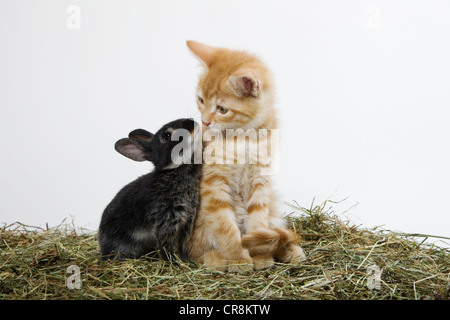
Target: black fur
[(156, 211)]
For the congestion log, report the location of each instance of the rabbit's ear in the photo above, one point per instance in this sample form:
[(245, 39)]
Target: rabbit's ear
[(131, 148), (141, 134)]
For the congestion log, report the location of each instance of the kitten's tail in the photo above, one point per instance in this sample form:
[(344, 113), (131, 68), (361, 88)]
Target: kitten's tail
[(274, 241)]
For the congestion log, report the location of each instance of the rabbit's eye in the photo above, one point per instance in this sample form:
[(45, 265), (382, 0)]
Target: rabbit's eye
[(166, 135), (200, 99)]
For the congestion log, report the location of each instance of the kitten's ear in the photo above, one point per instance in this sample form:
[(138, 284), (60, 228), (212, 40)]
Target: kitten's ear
[(202, 51), (245, 86)]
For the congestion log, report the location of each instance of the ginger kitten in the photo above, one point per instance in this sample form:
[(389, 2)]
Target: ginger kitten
[(238, 222)]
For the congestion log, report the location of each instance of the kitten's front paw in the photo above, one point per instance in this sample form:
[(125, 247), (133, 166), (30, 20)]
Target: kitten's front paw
[(215, 260), (241, 265), (241, 262), (263, 261)]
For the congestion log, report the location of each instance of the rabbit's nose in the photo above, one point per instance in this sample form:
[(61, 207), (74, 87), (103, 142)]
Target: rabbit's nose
[(206, 123)]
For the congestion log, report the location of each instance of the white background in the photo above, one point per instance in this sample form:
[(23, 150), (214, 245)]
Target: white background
[(363, 98)]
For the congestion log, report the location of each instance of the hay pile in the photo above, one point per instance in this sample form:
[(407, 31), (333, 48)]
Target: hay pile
[(344, 262)]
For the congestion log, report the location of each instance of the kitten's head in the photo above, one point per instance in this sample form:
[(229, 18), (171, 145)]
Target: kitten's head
[(235, 90)]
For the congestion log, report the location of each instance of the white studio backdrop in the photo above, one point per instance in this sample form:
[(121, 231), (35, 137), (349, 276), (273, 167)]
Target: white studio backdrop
[(363, 99)]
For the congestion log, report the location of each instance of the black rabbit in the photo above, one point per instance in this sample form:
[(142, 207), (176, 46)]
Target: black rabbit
[(156, 211)]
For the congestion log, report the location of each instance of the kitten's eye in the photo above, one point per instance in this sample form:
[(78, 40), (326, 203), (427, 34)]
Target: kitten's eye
[(221, 109), (166, 135), (200, 99)]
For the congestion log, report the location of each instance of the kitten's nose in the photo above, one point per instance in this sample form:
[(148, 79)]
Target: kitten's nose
[(206, 123)]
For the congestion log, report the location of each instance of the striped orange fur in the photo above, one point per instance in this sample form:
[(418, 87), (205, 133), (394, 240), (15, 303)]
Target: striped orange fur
[(238, 223)]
